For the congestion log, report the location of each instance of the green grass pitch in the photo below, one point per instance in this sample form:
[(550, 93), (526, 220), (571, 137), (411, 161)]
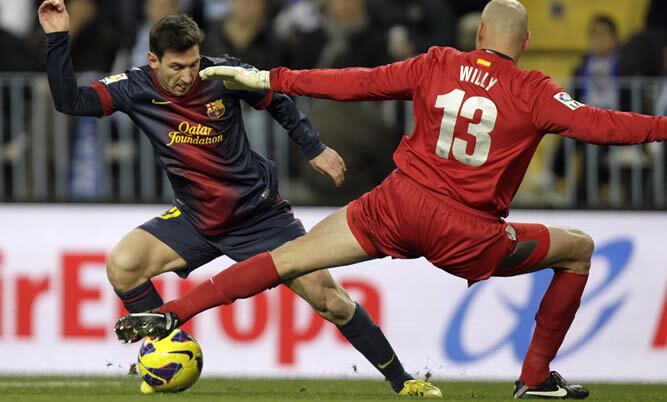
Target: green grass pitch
[(125, 389)]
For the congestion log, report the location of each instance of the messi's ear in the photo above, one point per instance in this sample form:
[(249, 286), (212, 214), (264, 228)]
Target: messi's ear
[(153, 60)]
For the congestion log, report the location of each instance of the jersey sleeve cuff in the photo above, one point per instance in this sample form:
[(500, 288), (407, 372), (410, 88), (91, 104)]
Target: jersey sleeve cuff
[(313, 150), (55, 37)]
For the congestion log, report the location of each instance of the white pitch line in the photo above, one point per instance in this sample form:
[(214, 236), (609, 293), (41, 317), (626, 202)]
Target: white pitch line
[(55, 384)]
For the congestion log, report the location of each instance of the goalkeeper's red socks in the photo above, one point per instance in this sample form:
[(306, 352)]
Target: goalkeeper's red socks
[(557, 310), (241, 280)]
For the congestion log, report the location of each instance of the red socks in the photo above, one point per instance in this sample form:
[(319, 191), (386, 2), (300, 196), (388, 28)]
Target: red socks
[(241, 280), (553, 319)]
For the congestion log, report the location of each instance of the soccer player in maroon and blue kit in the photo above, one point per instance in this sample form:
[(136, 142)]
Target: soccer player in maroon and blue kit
[(226, 195), (478, 121)]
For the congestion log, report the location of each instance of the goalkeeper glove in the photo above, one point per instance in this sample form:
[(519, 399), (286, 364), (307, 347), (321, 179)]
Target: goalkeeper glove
[(238, 77)]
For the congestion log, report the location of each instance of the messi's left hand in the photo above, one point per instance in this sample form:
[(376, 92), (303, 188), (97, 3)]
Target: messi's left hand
[(330, 164)]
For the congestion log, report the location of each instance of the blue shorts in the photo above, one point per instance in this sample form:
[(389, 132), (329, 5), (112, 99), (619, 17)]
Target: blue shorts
[(269, 230)]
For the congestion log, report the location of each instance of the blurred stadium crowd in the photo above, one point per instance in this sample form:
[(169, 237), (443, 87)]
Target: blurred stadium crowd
[(609, 53)]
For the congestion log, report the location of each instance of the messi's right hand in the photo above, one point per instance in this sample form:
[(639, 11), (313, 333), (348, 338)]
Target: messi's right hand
[(53, 16), (238, 77)]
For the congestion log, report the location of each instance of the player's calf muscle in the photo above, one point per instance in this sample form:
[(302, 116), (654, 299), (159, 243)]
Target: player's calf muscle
[(582, 249), (334, 305), (337, 305), (571, 250)]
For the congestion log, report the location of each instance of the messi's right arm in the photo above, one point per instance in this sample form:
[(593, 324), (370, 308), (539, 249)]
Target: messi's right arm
[(68, 97)]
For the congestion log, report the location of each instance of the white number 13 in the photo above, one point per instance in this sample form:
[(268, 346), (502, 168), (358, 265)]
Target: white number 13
[(447, 143)]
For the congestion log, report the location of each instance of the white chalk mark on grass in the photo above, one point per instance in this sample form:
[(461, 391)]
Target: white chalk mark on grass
[(56, 384)]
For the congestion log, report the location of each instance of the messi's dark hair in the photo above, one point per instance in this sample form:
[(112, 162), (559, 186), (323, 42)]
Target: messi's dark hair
[(176, 33)]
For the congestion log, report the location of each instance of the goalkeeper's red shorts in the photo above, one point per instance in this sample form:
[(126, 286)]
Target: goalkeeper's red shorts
[(402, 219)]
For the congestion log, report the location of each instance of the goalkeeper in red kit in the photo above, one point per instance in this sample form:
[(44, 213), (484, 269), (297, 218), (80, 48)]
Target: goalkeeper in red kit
[(478, 120)]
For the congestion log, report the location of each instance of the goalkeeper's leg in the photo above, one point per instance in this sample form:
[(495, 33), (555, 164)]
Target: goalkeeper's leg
[(568, 252)]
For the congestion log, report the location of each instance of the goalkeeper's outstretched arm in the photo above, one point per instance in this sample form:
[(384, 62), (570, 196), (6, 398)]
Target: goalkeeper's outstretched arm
[(555, 112), (392, 81)]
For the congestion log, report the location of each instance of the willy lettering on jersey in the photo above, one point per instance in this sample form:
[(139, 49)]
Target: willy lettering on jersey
[(477, 77)]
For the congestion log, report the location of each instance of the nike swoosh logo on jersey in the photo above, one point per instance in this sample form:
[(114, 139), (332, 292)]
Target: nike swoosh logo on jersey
[(559, 393), (157, 102)]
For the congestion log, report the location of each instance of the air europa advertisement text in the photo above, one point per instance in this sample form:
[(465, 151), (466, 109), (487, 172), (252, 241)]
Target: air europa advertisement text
[(57, 309)]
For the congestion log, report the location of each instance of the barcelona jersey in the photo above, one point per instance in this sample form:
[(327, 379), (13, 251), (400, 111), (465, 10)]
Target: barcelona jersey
[(200, 140)]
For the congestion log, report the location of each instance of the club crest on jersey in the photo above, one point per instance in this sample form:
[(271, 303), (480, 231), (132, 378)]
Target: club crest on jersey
[(215, 109), (566, 99)]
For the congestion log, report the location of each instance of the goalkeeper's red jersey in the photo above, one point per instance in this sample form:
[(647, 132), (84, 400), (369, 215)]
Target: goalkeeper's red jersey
[(478, 118)]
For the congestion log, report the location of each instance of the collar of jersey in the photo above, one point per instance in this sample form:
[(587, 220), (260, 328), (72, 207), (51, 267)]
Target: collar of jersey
[(503, 55), (496, 56), (171, 98)]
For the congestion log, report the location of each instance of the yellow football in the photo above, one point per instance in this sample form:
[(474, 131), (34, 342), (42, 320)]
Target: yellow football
[(172, 364)]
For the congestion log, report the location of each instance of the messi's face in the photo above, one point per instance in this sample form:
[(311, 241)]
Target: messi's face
[(176, 71)]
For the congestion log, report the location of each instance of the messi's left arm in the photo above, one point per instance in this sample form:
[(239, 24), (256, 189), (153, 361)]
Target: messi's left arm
[(320, 157), (283, 109)]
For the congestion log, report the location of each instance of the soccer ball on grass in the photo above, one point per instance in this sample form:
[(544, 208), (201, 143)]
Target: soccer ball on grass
[(172, 364)]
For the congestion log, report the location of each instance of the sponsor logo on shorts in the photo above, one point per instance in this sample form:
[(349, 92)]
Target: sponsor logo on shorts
[(172, 212)]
